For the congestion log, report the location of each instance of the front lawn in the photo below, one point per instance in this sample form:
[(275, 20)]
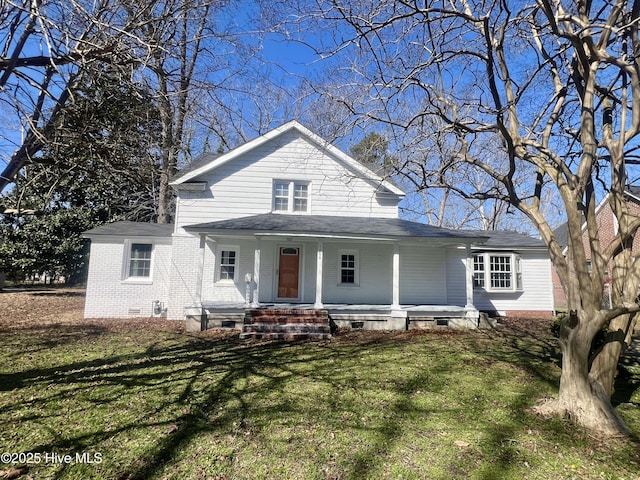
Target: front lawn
[(141, 399)]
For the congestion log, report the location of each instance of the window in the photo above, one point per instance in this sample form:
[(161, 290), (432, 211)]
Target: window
[(478, 271), (497, 272), (300, 192), (290, 196), (140, 260), (500, 272), (349, 267), (281, 197), (228, 262)]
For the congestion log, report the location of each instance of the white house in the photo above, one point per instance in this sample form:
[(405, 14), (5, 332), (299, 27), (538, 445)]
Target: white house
[(289, 221)]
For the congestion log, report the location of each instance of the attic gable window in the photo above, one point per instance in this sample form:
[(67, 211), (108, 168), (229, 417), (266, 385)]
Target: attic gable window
[(290, 196), (497, 272)]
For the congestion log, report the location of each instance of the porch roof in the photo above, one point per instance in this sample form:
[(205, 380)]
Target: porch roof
[(334, 226)]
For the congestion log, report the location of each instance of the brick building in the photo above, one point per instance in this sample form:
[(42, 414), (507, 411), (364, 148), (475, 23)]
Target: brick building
[(607, 228)]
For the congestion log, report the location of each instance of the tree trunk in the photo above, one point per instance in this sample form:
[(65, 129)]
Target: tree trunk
[(165, 198), (582, 398), (604, 367)]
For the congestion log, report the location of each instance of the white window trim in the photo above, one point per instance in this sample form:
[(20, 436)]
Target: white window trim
[(128, 243), (356, 273), (291, 196), (515, 262), (218, 264)]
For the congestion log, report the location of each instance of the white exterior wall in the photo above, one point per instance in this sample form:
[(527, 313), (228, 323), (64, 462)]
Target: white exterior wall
[(375, 274), (536, 294), (216, 290), (423, 275), (109, 295), (244, 186), (185, 267)]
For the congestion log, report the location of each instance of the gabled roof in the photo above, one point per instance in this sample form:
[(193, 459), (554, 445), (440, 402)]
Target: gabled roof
[(131, 229), (326, 225), (208, 162), (562, 234)]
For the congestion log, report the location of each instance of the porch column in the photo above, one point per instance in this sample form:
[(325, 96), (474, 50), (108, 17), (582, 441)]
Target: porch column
[(395, 305), (203, 240), (256, 273), (319, 264), (469, 279)]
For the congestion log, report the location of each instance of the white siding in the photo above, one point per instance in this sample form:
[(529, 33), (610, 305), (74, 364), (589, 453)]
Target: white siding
[(225, 291), (244, 186), (536, 294), (422, 275), (456, 276), (109, 296), (374, 272)]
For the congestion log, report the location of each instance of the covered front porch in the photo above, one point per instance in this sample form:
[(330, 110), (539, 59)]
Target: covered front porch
[(384, 274)]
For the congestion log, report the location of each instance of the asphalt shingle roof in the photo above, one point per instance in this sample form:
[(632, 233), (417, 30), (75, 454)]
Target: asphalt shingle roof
[(132, 229), (510, 239), (326, 224), (334, 225)]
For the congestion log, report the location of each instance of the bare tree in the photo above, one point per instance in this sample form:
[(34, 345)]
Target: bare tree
[(45, 47), (557, 84), (182, 50)]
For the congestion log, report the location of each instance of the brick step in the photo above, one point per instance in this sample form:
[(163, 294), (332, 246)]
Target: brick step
[(286, 311), (282, 316), (284, 336), (285, 319), (286, 328)]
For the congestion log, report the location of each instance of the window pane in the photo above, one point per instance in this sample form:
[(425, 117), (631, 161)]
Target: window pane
[(227, 272), (348, 261), (228, 257), (299, 205), (281, 204), (282, 189), (300, 191), (141, 250), (348, 276)]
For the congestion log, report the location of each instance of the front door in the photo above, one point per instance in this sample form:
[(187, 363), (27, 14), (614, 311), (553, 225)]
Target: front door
[(288, 272)]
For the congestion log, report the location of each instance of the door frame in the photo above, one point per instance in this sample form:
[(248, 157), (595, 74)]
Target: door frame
[(276, 282)]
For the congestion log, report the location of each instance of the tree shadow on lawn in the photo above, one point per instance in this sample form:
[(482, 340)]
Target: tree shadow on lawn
[(219, 383), (37, 338), (530, 344), (231, 365)]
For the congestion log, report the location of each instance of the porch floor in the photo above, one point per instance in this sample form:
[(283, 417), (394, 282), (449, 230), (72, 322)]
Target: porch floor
[(340, 307), (366, 316)]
